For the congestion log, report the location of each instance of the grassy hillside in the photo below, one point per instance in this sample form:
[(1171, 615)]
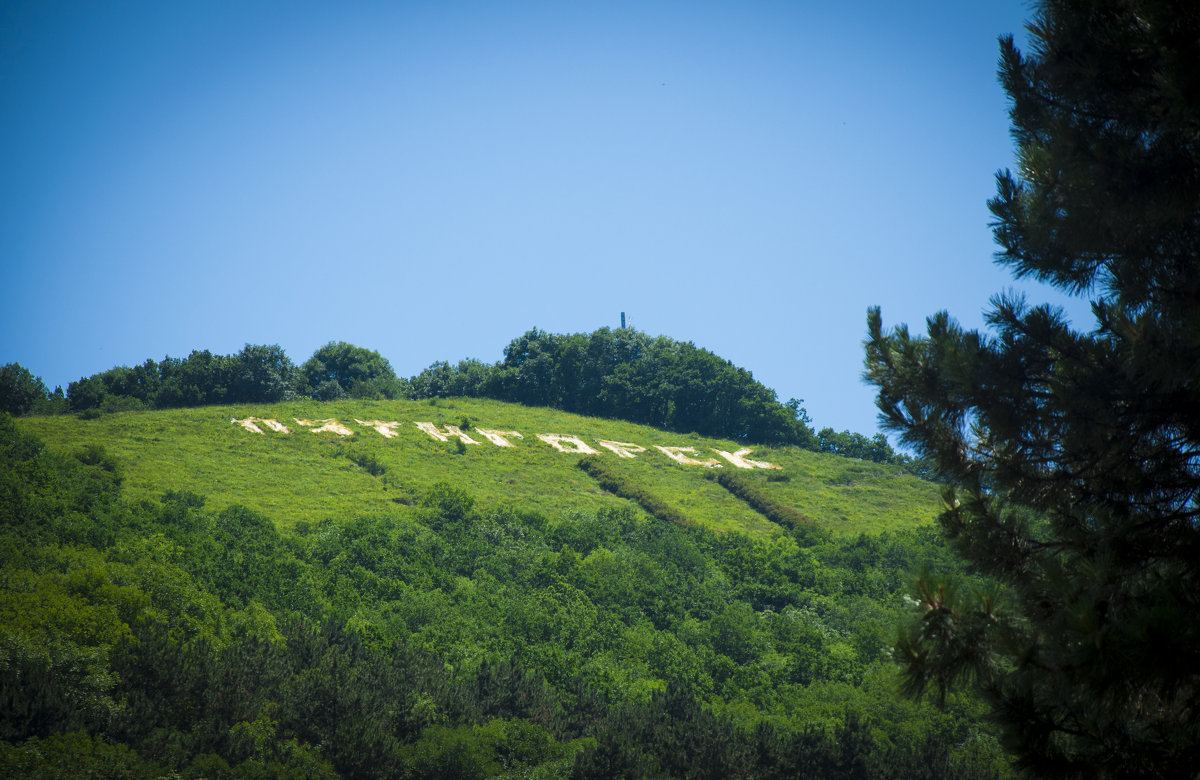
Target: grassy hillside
[(306, 477), (217, 603)]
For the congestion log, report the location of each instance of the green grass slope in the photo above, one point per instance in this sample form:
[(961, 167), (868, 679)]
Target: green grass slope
[(306, 476)]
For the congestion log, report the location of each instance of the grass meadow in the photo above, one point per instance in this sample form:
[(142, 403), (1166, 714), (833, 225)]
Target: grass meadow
[(305, 476)]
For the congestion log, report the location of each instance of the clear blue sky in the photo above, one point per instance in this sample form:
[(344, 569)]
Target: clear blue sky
[(430, 180)]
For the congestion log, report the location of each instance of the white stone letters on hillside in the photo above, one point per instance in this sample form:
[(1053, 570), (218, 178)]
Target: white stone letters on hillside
[(499, 438), (449, 430), (330, 426), (739, 459), (623, 449), (386, 429), (249, 424), (559, 440), (562, 442), (676, 454)]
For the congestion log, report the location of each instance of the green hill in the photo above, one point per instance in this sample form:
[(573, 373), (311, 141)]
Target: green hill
[(302, 476), (285, 591)]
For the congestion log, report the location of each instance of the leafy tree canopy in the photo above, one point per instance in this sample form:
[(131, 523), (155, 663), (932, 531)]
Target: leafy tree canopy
[(1071, 455), (259, 373), (19, 389), (630, 375), (340, 369)]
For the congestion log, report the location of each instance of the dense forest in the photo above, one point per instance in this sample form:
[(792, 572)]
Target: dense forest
[(447, 640), (622, 374)]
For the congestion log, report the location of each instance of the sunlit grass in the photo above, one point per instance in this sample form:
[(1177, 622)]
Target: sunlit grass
[(305, 477)]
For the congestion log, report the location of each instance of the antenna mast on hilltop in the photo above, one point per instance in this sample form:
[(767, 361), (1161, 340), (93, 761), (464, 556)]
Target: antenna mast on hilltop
[(622, 319)]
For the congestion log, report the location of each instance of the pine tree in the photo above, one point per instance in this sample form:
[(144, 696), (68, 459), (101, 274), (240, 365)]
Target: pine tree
[(1072, 457)]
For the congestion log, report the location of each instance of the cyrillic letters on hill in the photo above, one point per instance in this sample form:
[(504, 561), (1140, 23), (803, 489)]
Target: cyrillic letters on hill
[(562, 442)]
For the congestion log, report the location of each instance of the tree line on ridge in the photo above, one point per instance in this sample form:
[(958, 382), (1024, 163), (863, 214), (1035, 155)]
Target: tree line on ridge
[(623, 374)]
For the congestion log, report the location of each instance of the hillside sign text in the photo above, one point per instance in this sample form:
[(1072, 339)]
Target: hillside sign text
[(566, 443)]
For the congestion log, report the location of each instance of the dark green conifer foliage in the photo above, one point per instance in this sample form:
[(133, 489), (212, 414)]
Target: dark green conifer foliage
[(1073, 457)]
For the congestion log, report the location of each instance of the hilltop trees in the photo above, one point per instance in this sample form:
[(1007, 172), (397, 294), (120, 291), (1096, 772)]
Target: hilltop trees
[(340, 369), (855, 445), (259, 373), (20, 390), (622, 374), (628, 375), (653, 380), (1072, 456), (264, 373)]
